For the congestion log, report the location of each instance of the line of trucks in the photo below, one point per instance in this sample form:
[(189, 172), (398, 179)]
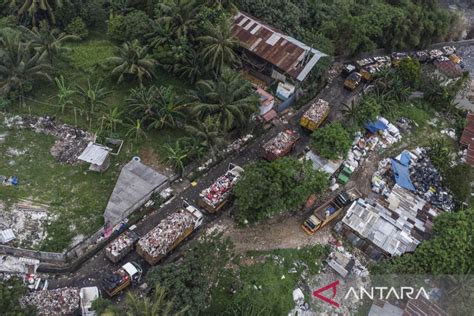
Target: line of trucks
[(365, 69)]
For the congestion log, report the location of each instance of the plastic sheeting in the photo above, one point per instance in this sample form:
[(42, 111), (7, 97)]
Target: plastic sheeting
[(402, 175), (376, 126)]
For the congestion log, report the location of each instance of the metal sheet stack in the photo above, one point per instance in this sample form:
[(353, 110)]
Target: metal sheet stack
[(159, 240), (63, 301)]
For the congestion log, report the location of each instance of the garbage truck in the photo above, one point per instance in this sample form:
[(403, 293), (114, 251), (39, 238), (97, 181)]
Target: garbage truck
[(329, 210), (213, 198), (115, 282), (315, 115), (280, 145), (121, 246), (169, 233)]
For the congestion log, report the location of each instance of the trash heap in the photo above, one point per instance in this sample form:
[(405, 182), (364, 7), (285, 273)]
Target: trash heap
[(63, 301), (318, 111), (120, 244), (428, 183), (70, 142), (160, 239), (219, 190), (380, 182), (280, 143), (363, 144)]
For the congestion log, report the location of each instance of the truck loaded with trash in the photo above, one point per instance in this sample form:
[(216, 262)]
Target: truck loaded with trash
[(280, 145), (315, 115), (127, 275), (213, 198), (169, 233)]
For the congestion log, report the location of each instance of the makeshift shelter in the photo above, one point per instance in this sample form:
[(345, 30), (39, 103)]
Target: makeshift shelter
[(329, 166), (402, 175), (135, 185), (97, 155), (374, 127)]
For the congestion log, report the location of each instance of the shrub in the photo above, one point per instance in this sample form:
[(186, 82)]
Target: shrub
[(129, 27), (77, 27), (116, 28)]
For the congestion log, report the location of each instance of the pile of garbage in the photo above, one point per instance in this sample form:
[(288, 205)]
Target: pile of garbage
[(380, 182), (159, 240), (318, 111), (280, 143), (70, 142), (238, 143), (63, 301), (428, 182), (122, 243), (363, 144), (219, 190)]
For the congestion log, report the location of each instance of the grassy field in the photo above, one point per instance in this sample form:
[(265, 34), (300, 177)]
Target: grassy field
[(262, 279), (76, 196)]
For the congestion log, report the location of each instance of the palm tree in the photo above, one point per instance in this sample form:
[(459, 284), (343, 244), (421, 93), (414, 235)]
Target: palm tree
[(169, 108), (136, 130), (110, 120), (225, 4), (132, 60), (93, 96), (180, 14), (48, 42), (161, 34), (158, 305), (228, 98), (31, 8), (65, 93), (19, 65), (142, 102), (209, 134), (190, 67), (350, 111), (177, 156), (219, 46)]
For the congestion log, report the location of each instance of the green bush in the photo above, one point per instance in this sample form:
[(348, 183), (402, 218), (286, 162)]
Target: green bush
[(8, 21), (77, 27), (129, 27), (332, 141), (116, 28)]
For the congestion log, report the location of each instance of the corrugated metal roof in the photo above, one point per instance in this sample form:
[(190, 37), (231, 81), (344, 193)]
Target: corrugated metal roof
[(288, 54), (95, 154), (467, 138)]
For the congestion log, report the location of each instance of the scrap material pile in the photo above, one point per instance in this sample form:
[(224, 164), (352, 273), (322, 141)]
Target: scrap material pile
[(318, 111), (382, 134), (428, 183), (220, 190), (122, 244), (280, 143), (70, 142), (161, 239), (63, 301)]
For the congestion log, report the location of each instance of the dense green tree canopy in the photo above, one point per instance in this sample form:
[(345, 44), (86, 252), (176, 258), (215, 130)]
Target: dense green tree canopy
[(270, 188), (332, 141)]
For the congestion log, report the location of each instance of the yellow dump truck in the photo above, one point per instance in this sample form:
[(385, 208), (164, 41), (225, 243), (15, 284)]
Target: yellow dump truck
[(353, 81), (169, 233), (315, 115)]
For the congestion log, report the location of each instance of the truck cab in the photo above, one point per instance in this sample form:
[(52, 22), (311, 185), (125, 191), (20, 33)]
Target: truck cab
[(130, 273), (88, 295), (195, 212), (353, 81)]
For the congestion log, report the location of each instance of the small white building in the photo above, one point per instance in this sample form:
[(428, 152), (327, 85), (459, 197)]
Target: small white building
[(97, 155)]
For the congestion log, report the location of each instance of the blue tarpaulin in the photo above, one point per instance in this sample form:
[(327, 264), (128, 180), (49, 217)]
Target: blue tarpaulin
[(405, 158), (402, 175), (376, 126)]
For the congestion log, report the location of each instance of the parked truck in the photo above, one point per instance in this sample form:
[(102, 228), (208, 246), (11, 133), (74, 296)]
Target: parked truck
[(115, 282), (169, 233), (280, 145), (121, 246), (326, 212), (353, 81), (315, 115), (213, 198), (88, 295)]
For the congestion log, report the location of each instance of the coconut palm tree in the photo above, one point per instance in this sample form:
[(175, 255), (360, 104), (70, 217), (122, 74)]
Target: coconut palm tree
[(190, 67), (132, 61), (30, 9), (180, 14), (19, 65), (142, 102), (177, 155), (169, 108), (219, 46), (228, 98), (157, 305), (209, 134), (225, 4), (93, 96), (49, 43)]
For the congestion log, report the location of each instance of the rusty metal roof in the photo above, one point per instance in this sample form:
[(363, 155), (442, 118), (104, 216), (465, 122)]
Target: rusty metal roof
[(286, 53), (467, 138)]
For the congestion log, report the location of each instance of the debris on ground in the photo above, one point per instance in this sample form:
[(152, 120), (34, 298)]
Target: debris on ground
[(70, 143), (63, 301)]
